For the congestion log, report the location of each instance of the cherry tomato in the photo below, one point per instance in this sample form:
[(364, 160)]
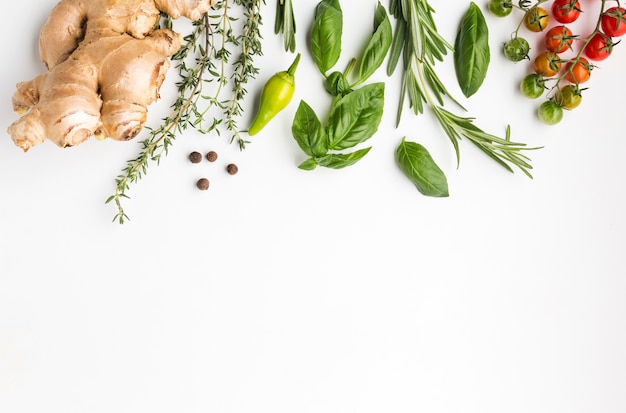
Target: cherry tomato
[(568, 97), (532, 86), (516, 49), (500, 8), (558, 39), (579, 71), (613, 22), (599, 47), (547, 64), (550, 112), (536, 19), (566, 11)]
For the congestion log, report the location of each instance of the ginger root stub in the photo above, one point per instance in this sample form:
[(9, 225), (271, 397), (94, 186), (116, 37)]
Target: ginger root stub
[(105, 64)]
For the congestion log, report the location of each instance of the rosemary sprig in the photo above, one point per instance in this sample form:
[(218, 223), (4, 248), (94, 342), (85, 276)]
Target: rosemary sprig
[(285, 23), (204, 58), (421, 46)]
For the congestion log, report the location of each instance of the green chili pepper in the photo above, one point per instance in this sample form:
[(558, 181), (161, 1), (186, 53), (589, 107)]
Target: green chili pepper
[(276, 95)]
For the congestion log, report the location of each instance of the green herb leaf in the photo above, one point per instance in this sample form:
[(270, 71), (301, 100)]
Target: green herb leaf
[(326, 34), (337, 85), (471, 51), (308, 165), (397, 46), (285, 23), (341, 160), (308, 131), (417, 164), (356, 116), (378, 45)]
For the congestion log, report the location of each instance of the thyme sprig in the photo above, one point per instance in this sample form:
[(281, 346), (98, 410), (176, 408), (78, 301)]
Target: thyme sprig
[(244, 69), (421, 46), (204, 60)]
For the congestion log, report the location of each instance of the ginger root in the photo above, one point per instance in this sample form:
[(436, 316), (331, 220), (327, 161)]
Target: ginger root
[(105, 64)]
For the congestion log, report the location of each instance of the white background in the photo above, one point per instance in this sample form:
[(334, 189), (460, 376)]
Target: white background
[(280, 290)]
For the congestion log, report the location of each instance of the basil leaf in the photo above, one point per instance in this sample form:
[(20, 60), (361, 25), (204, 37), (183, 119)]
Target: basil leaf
[(417, 164), (378, 45), (341, 160), (326, 34), (471, 51), (356, 116), (308, 131), (308, 165)]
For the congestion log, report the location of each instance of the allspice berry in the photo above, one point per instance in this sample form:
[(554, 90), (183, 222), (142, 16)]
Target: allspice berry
[(195, 157), (203, 184), (232, 169), (211, 156)]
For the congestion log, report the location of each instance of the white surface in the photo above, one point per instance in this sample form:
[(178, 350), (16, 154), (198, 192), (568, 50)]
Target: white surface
[(280, 290)]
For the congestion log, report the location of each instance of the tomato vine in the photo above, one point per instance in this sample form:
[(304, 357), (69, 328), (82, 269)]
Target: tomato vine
[(565, 60)]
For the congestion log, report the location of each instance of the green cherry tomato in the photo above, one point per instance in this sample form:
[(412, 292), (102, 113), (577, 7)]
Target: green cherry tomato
[(568, 97), (550, 112), (276, 95), (516, 49), (532, 86), (500, 8)]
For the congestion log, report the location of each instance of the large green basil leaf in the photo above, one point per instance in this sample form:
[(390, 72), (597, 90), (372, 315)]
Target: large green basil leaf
[(471, 51), (326, 34), (309, 132), (417, 164), (356, 116), (378, 45), (341, 160)]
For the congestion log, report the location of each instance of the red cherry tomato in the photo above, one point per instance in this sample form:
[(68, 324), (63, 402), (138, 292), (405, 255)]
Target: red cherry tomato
[(566, 11), (613, 21), (558, 39), (599, 47)]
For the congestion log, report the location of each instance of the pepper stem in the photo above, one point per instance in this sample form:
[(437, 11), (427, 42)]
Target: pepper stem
[(292, 69)]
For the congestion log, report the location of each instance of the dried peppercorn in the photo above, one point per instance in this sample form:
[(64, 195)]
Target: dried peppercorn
[(195, 157), (202, 184), (276, 95), (232, 169), (211, 156)]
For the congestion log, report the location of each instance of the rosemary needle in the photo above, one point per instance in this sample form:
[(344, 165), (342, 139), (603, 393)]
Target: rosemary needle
[(285, 23)]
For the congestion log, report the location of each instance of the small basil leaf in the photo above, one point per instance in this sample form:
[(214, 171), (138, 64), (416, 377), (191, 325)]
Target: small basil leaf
[(308, 131), (337, 85), (308, 165), (341, 160), (356, 116), (471, 51), (417, 164), (378, 45), (326, 34)]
